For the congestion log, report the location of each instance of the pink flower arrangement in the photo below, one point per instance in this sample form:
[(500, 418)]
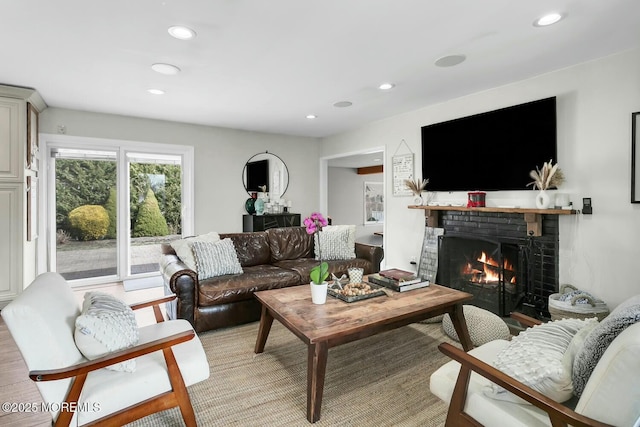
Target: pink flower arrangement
[(314, 224)]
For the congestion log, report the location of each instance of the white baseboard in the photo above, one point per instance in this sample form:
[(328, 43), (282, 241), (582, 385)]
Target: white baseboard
[(142, 283)]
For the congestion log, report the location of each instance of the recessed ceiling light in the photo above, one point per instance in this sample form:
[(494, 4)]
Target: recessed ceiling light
[(377, 160), (548, 19), (450, 60), (156, 91), (311, 116), (386, 86), (167, 69), (182, 33), (342, 104)]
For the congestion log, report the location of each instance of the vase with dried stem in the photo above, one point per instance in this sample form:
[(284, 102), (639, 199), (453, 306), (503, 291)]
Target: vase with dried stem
[(549, 176), (417, 187)]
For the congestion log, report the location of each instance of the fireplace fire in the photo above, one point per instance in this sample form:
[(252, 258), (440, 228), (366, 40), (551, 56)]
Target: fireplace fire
[(486, 269)]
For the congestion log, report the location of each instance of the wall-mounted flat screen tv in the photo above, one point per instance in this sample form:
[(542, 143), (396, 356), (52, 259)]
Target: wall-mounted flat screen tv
[(490, 151), (257, 175)]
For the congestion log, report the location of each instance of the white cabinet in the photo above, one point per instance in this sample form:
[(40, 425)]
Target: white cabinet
[(12, 114), (17, 252), (12, 231)]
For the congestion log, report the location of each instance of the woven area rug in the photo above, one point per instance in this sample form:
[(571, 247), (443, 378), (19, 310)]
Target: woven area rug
[(378, 381)]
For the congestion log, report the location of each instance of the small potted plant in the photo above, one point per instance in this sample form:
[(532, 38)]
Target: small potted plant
[(319, 273)]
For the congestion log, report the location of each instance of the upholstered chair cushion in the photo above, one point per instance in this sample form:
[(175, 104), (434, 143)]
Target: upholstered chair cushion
[(46, 338), (150, 378), (487, 411), (613, 391), (598, 340)]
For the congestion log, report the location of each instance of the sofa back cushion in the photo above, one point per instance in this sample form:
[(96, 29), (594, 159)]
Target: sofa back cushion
[(289, 243), (252, 248)]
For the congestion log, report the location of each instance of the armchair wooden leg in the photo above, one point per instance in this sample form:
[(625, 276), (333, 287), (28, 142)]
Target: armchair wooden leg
[(456, 416), (65, 415), (179, 389)]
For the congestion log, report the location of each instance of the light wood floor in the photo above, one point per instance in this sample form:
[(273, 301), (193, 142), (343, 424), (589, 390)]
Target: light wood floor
[(15, 385)]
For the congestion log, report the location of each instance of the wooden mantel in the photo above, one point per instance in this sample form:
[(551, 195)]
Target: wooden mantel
[(533, 217)]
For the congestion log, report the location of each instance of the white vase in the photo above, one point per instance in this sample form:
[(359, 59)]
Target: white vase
[(543, 200), (417, 200), (319, 293)]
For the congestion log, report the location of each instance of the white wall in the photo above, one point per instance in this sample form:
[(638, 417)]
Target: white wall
[(220, 156), (346, 201), (594, 104)]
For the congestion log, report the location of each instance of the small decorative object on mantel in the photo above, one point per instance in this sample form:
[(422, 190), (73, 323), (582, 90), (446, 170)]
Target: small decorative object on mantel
[(417, 188), (476, 199), (319, 273), (250, 204), (549, 176)]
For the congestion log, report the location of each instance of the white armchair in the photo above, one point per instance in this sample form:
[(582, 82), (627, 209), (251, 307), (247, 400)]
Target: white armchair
[(169, 357), (611, 396)]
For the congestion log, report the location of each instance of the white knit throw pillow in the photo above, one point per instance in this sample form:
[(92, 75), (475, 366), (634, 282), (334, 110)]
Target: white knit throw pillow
[(106, 325)]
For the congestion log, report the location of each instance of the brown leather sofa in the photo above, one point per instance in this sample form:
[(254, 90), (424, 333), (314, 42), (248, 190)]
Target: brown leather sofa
[(276, 258)]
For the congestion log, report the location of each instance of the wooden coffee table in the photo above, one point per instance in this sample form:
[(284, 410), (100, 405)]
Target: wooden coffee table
[(337, 322)]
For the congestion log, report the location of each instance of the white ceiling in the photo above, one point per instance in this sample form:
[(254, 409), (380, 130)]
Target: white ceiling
[(264, 65)]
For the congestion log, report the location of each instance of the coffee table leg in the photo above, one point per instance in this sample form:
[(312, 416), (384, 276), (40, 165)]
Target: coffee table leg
[(266, 320), (460, 324), (316, 368)]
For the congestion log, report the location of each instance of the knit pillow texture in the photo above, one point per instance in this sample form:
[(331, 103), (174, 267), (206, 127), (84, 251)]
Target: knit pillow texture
[(535, 357), (216, 259), (184, 250), (106, 325), (598, 340), (335, 242), (483, 326)]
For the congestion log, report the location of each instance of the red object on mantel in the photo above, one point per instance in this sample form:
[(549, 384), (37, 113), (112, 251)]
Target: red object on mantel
[(476, 199)]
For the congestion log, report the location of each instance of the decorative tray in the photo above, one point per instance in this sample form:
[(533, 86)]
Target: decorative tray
[(355, 292)]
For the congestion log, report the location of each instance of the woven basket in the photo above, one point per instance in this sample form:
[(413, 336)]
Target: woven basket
[(570, 309)]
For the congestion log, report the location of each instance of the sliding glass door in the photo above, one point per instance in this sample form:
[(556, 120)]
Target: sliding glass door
[(86, 241), (110, 208), (155, 207)]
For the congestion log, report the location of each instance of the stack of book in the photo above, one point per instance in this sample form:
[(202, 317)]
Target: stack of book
[(398, 280)]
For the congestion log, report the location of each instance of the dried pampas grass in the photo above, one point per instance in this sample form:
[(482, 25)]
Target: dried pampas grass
[(549, 176), (417, 186)]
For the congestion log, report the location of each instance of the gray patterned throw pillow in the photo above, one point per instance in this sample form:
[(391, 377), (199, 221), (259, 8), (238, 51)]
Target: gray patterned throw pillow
[(598, 341), (216, 259)]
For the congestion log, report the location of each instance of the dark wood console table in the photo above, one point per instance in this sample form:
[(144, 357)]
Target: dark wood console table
[(266, 221)]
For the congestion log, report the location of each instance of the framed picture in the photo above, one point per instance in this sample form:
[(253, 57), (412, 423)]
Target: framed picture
[(33, 144), (635, 158), (402, 166), (373, 203)]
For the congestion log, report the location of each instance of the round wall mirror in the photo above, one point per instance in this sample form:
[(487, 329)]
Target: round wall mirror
[(266, 169)]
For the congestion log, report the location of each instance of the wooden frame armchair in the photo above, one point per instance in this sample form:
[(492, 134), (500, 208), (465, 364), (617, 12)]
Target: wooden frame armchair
[(169, 357), (461, 381)]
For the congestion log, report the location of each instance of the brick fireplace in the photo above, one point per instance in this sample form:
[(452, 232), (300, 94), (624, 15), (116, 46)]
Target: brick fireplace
[(493, 256)]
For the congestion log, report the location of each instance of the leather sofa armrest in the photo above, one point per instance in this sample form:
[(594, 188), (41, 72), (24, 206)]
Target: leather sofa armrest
[(371, 253), (183, 282)]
